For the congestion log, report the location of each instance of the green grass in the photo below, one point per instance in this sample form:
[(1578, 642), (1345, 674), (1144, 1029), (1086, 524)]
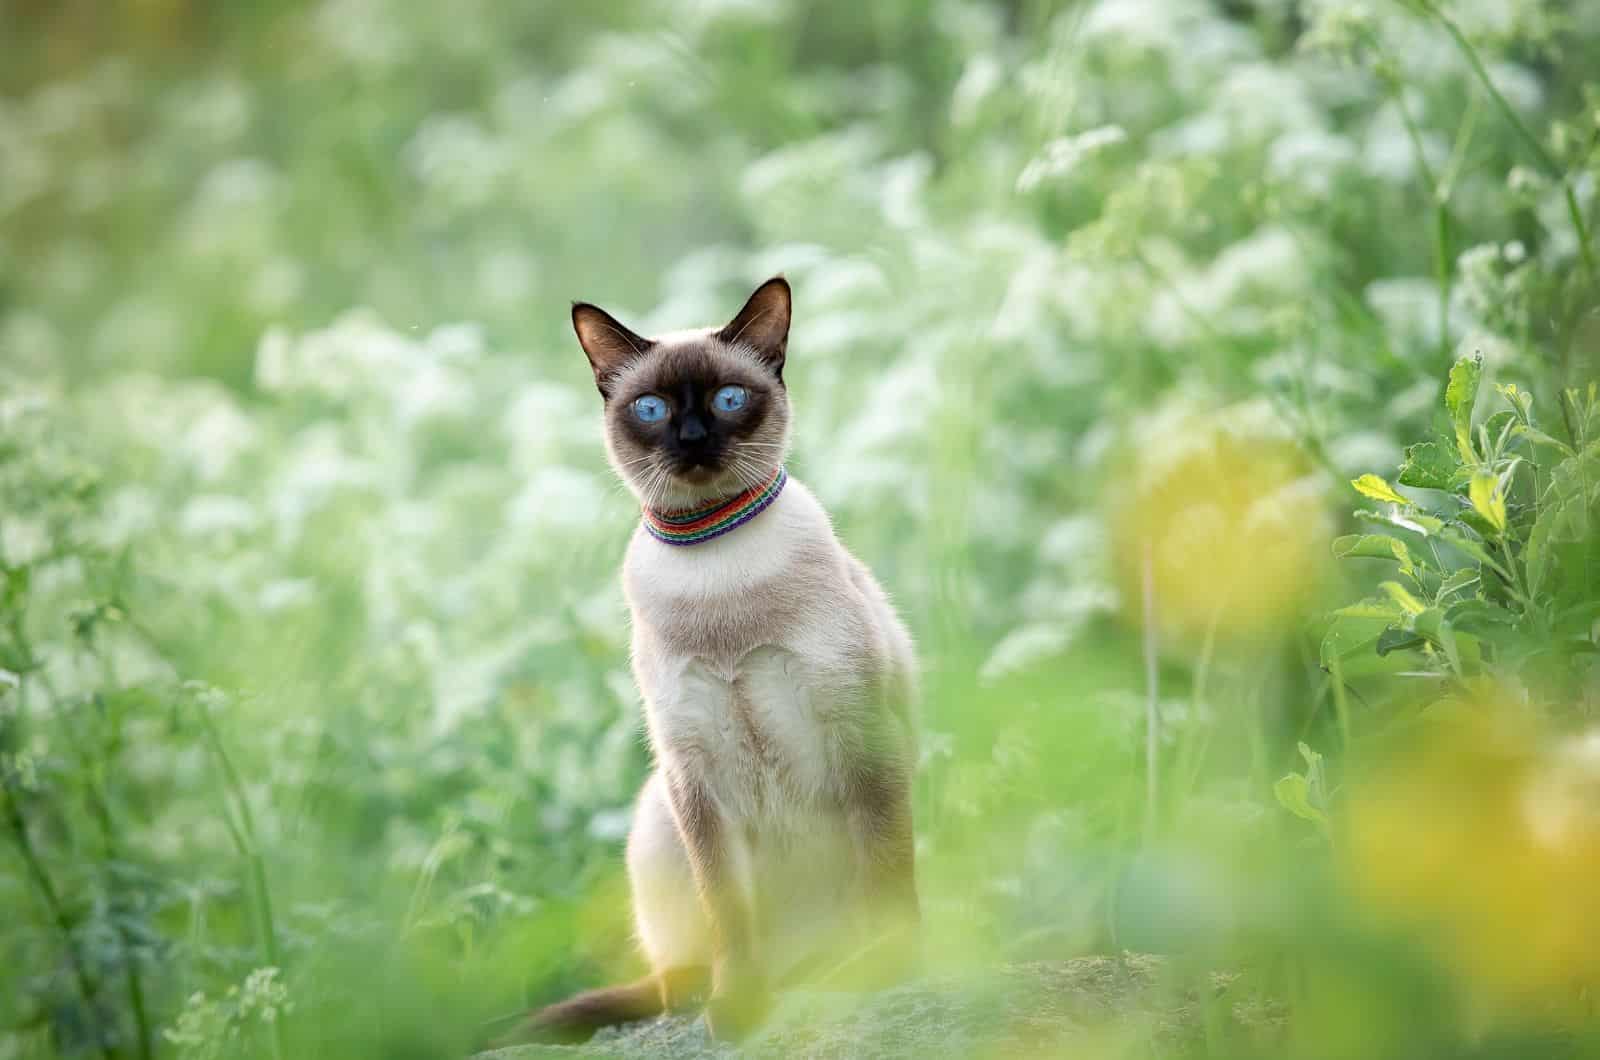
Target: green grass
[(316, 734)]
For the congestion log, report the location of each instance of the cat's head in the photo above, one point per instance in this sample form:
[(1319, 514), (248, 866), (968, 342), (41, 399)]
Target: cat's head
[(693, 416)]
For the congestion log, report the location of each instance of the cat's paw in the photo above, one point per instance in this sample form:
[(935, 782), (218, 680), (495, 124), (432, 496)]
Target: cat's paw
[(732, 1015)]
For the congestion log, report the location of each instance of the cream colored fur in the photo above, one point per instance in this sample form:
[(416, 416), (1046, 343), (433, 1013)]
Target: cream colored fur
[(758, 653), (778, 686)]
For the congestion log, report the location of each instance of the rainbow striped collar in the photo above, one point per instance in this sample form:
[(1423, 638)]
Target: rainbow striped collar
[(691, 526)]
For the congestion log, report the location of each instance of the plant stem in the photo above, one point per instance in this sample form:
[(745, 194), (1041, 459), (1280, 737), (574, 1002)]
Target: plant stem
[(1438, 191), (1546, 162), (130, 959), (30, 856), (1152, 731), (1341, 708), (246, 839), (1192, 757), (52, 902), (100, 810), (1441, 268)]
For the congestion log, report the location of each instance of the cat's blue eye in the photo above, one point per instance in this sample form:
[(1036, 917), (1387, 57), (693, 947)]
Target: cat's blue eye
[(650, 409), (729, 399)]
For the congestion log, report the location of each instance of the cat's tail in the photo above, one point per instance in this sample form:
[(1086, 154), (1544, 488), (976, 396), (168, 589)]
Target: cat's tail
[(582, 1014), (579, 1016)]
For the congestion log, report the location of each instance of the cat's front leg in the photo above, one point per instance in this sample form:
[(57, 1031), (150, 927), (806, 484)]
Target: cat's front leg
[(878, 815), (739, 991)]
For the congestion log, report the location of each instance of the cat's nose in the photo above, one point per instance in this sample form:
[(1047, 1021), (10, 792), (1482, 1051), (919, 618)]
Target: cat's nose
[(691, 429)]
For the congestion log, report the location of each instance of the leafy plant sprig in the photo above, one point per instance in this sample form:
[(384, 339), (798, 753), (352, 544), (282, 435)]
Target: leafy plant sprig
[(1494, 552)]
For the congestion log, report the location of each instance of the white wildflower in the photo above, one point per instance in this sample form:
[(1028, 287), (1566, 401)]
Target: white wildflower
[(23, 540), (1025, 647), (215, 440), (365, 32), (978, 81), (1409, 309), (1061, 156)]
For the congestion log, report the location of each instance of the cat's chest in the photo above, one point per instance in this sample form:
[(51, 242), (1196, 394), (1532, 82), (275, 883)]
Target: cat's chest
[(771, 661), (758, 690), (774, 720)]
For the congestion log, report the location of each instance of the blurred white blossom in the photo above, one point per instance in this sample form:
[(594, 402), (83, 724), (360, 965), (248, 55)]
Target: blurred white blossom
[(1062, 155)]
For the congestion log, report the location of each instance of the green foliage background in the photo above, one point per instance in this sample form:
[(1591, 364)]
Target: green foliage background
[(316, 733)]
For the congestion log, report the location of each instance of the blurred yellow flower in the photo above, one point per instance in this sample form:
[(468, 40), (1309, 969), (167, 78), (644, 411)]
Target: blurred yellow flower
[(1484, 835), (1229, 517)]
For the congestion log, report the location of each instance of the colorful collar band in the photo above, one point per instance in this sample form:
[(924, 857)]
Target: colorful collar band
[(691, 526)]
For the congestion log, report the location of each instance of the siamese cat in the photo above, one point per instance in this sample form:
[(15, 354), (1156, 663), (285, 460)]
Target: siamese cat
[(774, 837)]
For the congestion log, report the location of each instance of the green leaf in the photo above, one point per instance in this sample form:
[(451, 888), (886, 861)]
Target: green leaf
[(1372, 546), (1375, 546), (1488, 500), (1483, 527), (1430, 466), (1580, 617), (1396, 639), (1567, 512), (1460, 395), (1536, 554), (1470, 650), (1433, 625), (1372, 607), (1370, 485), (1538, 437), (1520, 399), (1472, 548), (1457, 581), (1313, 759), (1293, 792), (1354, 629), (1479, 616), (1497, 428), (1413, 520), (1402, 596)]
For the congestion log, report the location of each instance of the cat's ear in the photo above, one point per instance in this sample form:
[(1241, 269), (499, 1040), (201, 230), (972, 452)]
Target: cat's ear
[(608, 343), (763, 324)]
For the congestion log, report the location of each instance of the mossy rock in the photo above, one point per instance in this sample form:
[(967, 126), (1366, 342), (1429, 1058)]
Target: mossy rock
[(1033, 1009)]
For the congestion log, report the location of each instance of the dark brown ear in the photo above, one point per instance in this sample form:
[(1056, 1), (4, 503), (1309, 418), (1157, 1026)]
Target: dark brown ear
[(608, 343), (763, 324)]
